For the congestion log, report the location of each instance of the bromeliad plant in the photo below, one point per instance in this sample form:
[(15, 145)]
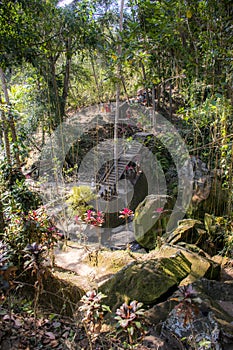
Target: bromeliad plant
[(126, 213), (130, 317), (93, 310), (188, 303), (94, 218), (35, 255)]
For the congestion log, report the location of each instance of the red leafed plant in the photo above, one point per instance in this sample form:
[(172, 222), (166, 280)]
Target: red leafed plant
[(188, 303), (126, 213), (93, 311), (129, 317), (94, 218)]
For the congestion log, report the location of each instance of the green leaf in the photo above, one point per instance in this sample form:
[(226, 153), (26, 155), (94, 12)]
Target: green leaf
[(131, 331), (138, 324)]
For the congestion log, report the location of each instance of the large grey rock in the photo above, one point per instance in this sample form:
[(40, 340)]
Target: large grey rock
[(149, 222), (209, 196), (146, 281), (199, 319)]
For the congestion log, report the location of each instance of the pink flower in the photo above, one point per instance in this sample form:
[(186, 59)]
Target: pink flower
[(126, 213), (89, 217), (93, 218), (159, 210), (52, 229), (99, 221)]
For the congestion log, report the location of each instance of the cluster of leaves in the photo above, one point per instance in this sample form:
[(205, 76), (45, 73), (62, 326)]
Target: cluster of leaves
[(34, 257), (93, 310), (18, 330), (15, 193), (210, 127), (188, 303), (226, 226), (129, 316), (6, 269), (26, 229)]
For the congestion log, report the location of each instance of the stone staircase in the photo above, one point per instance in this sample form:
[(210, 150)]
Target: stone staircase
[(115, 172)]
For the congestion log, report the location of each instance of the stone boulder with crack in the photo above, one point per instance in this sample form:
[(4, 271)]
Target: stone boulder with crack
[(146, 281), (195, 232)]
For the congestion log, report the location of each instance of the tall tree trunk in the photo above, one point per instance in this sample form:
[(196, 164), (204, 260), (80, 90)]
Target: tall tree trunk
[(55, 99), (96, 78), (145, 80), (170, 99), (153, 107), (2, 222), (10, 118), (66, 78), (6, 140)]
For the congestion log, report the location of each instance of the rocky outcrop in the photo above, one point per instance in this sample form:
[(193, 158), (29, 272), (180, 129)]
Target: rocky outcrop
[(199, 319), (209, 196), (197, 316), (146, 280), (189, 231), (150, 223)]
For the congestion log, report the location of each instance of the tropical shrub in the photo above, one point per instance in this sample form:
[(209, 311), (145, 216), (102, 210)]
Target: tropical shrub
[(25, 229), (79, 200), (130, 317), (15, 192), (93, 310)]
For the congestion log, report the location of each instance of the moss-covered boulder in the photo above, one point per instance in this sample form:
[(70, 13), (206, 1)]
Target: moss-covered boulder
[(150, 220), (146, 281), (201, 266)]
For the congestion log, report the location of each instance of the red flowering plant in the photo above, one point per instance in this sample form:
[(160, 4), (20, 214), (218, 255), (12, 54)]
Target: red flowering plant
[(159, 210), (126, 213), (24, 229), (94, 218)]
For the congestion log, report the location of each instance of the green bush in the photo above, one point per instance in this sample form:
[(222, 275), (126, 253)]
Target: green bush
[(79, 200)]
